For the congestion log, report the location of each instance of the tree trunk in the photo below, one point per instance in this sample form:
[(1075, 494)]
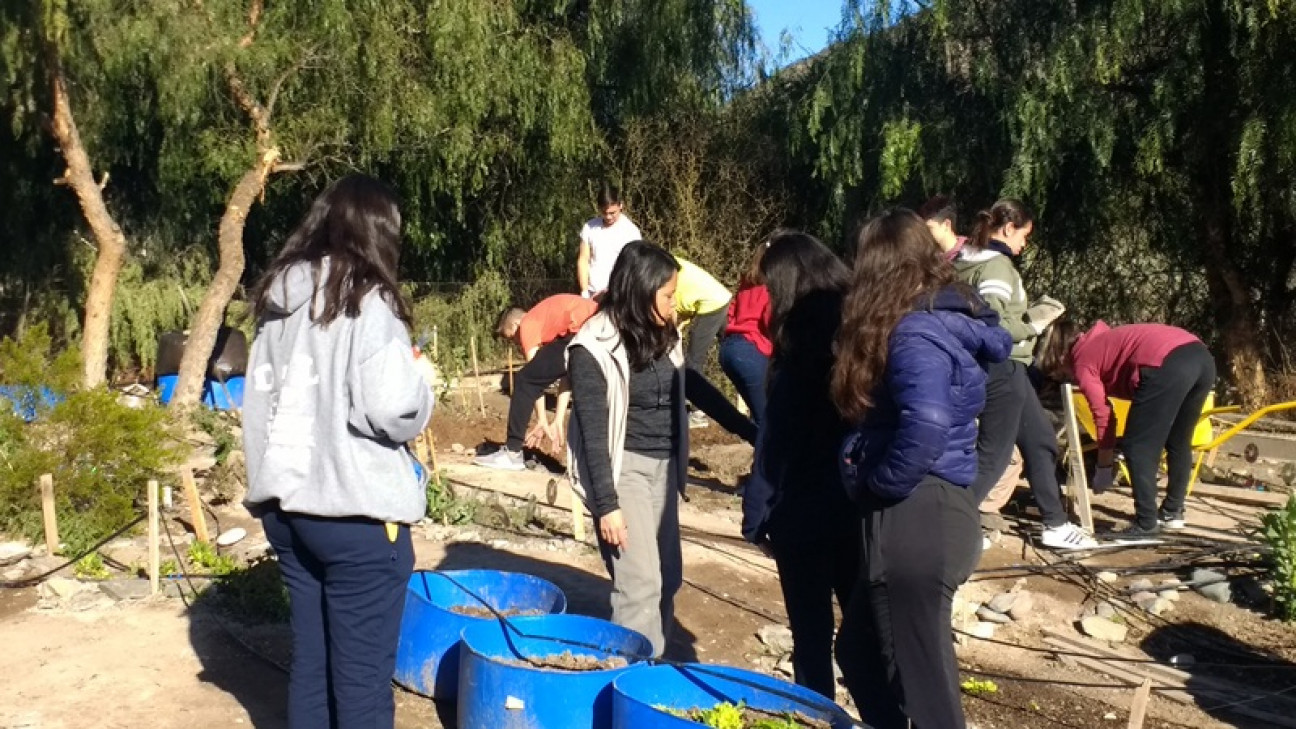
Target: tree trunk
[(108, 236), (1243, 346), (211, 314)]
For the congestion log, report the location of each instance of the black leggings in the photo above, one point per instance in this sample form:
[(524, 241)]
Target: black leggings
[(547, 367), (1163, 414), (1013, 415), (895, 647)]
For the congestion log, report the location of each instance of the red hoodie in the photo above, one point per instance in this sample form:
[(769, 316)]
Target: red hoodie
[(749, 316), (1106, 362)]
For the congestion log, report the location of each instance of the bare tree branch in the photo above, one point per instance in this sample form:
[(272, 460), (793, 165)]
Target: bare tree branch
[(254, 19)]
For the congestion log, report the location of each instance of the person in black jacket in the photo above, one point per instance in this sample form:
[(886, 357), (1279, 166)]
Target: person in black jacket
[(795, 506)]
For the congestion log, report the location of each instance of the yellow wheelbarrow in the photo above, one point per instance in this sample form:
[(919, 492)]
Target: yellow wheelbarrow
[(1077, 419)]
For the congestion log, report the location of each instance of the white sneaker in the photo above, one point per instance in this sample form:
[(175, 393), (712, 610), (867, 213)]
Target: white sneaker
[(1068, 536), (986, 543), (503, 460), (698, 419)]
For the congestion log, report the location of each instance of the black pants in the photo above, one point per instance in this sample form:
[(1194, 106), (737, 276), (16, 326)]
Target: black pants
[(812, 569), (1163, 414), (706, 397), (703, 332), (895, 648), (1013, 415), (547, 367), (346, 589)]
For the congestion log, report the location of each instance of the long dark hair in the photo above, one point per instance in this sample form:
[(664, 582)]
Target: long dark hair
[(1000, 214), (795, 266), (356, 225), (897, 263), (1054, 359), (630, 301)]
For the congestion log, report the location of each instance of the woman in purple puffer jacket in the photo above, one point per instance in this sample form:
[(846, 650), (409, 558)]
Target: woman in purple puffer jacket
[(910, 375)]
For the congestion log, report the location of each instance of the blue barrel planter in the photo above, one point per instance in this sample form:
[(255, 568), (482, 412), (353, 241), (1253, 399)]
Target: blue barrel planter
[(637, 694), (498, 689), (216, 395), (29, 402), (427, 656)]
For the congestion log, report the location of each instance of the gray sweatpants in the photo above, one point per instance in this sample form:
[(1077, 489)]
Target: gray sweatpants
[(648, 572)]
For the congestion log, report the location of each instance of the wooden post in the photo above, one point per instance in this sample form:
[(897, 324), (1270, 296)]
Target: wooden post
[(154, 556), (1138, 709), (51, 517), (481, 404), (510, 368), (578, 517), (195, 505), (1079, 490)]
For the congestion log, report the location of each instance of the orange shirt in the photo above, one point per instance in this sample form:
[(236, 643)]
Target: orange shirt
[(554, 317)]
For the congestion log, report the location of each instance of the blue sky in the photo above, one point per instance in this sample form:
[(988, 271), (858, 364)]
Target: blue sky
[(808, 21)]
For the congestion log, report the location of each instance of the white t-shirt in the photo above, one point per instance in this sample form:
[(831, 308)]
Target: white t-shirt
[(605, 245)]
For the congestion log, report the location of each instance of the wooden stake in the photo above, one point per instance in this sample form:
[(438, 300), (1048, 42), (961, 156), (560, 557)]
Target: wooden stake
[(154, 555), (1138, 709), (51, 517), (195, 506), (481, 404), (431, 446), (1079, 482), (510, 368)]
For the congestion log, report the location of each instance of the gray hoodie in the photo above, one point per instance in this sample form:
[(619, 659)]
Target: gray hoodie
[(328, 410)]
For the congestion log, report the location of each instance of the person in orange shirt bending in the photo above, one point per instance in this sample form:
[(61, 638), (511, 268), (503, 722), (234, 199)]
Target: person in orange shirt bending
[(543, 334)]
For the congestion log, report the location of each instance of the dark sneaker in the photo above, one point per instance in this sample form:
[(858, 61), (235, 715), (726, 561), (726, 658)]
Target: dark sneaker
[(1173, 520), (1135, 534)]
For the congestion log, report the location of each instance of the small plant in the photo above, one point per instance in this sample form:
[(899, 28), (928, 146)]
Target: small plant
[(737, 716), (445, 506), (1278, 531), (252, 594), (167, 568), (91, 567), (204, 555), (973, 687), (217, 426)]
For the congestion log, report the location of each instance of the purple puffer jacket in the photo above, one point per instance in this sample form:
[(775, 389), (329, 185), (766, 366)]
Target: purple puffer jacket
[(923, 420)]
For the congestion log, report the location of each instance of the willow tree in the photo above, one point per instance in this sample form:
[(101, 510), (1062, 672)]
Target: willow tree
[(442, 98), (1145, 133), (39, 40)]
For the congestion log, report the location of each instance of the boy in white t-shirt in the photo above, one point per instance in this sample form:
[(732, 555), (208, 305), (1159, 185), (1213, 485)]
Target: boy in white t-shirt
[(601, 241)]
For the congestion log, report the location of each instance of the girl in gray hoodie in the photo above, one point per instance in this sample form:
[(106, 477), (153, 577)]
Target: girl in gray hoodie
[(333, 396)]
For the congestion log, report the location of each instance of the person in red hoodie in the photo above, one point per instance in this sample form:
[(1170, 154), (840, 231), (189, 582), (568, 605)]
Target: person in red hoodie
[(746, 348), (1167, 374)]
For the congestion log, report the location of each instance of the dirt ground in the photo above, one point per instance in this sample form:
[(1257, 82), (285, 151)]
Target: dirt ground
[(159, 663)]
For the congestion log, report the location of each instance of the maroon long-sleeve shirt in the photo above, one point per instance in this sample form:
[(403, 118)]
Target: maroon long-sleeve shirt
[(1106, 362)]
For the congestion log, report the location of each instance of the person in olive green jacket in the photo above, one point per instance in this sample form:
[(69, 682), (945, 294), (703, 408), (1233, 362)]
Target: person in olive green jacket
[(1013, 414)]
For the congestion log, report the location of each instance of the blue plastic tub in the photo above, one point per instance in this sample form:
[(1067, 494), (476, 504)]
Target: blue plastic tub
[(637, 694), (498, 689), (215, 395), (427, 656), (29, 402)]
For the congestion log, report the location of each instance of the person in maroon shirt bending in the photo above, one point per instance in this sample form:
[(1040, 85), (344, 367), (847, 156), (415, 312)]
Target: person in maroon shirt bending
[(1166, 373), (746, 347)]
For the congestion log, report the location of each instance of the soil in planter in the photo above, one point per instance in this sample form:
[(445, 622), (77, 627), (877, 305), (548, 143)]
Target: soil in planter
[(741, 716), (568, 661), (481, 611)]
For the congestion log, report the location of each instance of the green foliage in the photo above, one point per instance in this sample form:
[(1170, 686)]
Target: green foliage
[(472, 312), (91, 567), (31, 361), (154, 297), (735, 716), (204, 556), (252, 594), (977, 687), (218, 427), (1278, 532), (447, 507), (100, 454)]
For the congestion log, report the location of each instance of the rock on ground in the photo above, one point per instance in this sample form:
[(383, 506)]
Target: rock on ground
[(1104, 629)]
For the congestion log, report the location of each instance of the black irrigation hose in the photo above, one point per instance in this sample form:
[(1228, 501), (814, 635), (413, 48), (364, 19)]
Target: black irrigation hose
[(1123, 659), (824, 707), (29, 581)]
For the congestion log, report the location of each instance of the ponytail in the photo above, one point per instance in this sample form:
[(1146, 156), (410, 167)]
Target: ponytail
[(988, 222)]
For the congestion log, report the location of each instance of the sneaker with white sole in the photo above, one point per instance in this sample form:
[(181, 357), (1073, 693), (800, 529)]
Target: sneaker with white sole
[(698, 419), (1068, 536), (1172, 520), (502, 460)]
